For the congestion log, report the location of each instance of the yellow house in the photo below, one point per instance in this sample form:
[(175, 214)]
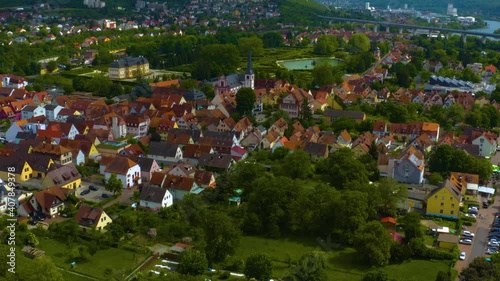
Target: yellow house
[(12, 168), (332, 103), (91, 217), (128, 68), (444, 201), (447, 241), (42, 166), (66, 176)]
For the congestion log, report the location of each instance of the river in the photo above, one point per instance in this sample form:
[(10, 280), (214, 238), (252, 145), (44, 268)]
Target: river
[(492, 26)]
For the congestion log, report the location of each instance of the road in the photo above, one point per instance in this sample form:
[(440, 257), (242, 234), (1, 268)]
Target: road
[(481, 228)]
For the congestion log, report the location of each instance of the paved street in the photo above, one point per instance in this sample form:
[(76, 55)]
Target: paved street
[(481, 228)]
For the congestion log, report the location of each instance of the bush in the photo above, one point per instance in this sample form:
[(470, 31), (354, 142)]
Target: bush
[(439, 255), (225, 275), (467, 223)]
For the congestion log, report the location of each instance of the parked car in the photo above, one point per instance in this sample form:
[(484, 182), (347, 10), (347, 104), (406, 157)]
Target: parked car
[(471, 215), (491, 251), (466, 241), (155, 272), (474, 212), (93, 187), (486, 204), (85, 192), (495, 240), (105, 195), (462, 256), (467, 233), (495, 244)]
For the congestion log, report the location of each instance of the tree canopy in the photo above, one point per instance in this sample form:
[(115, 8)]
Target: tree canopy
[(245, 100), (258, 266)]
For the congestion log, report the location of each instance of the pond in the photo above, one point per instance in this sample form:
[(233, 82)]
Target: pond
[(306, 64)]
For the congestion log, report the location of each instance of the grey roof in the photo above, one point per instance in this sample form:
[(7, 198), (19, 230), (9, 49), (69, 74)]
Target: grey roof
[(215, 161), (50, 106), (144, 163), (162, 149), (26, 136), (128, 61), (218, 135), (316, 148), (344, 113), (153, 194), (29, 108), (194, 94)]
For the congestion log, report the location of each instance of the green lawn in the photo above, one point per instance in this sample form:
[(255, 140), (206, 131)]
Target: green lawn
[(73, 277), (119, 260), (344, 263)]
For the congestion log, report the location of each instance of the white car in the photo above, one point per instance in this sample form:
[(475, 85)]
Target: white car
[(155, 272), (493, 244), (462, 256), (470, 215), (466, 241), (467, 233)]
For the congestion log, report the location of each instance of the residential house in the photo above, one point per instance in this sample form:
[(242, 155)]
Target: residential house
[(153, 197), (380, 128), (31, 111), (444, 201), (92, 217), (408, 166), (165, 152), (280, 126), (52, 111), (333, 115), (292, 103), (137, 125), (487, 144), (317, 151), (49, 202), (344, 139), (148, 167), (125, 170), (11, 167), (59, 154), (216, 161), (66, 176), (180, 186), (88, 149), (192, 152)]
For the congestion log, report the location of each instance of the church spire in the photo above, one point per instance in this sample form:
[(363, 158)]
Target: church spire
[(249, 64)]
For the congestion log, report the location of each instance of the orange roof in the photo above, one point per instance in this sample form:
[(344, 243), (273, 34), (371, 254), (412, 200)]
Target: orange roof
[(166, 84), (427, 126), (388, 220)]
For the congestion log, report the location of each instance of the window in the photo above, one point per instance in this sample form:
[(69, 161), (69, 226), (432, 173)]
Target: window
[(453, 205), (441, 211), (452, 212), (442, 204), (442, 197), (451, 198), (436, 197)]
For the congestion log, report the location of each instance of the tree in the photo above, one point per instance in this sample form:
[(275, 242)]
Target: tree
[(311, 267), (142, 89), (209, 90), (253, 44), (480, 270), (245, 100), (193, 263), (435, 178), (373, 241), (114, 184), (342, 168), (353, 207), (359, 43), (323, 74), (326, 45), (376, 276), (305, 114), (215, 60), (31, 239), (258, 266), (296, 165), (390, 193), (51, 66), (443, 276), (272, 39), (411, 226), (222, 236)]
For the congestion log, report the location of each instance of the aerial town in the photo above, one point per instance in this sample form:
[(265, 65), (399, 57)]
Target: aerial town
[(249, 140)]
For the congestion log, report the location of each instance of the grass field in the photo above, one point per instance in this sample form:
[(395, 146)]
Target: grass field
[(344, 263), (119, 260)]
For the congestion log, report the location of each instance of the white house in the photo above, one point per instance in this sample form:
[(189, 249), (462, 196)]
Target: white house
[(155, 198), (52, 111), (487, 145), (128, 171), (31, 111)]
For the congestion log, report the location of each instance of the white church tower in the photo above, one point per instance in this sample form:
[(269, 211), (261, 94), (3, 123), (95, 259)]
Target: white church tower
[(249, 75)]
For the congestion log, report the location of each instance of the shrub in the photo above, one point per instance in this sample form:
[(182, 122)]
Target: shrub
[(225, 275)]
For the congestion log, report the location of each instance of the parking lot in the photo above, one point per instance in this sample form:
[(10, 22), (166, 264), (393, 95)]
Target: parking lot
[(95, 196)]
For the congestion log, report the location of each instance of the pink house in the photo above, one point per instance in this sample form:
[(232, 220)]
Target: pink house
[(148, 167)]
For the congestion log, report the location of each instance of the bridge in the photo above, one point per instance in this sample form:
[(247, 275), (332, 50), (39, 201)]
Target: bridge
[(414, 28)]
